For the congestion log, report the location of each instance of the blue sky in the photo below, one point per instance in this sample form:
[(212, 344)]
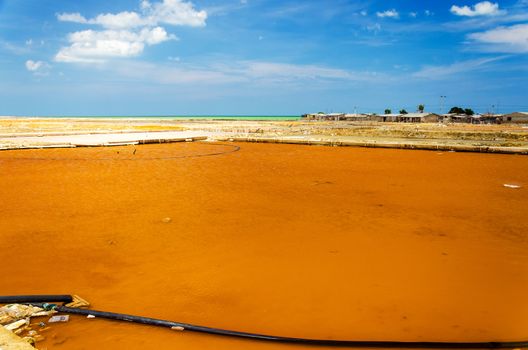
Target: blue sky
[(260, 57)]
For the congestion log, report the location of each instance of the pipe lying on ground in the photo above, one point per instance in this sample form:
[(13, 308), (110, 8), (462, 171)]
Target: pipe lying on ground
[(320, 342), (14, 299)]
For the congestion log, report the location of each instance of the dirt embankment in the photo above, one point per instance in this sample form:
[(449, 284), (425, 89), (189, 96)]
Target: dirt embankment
[(46, 126), (414, 135)]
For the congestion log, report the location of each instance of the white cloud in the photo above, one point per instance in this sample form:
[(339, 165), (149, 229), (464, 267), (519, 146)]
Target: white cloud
[(33, 65), (121, 20), (126, 33), (363, 13), (71, 17), (97, 46), (173, 12), (458, 68), (38, 67), (484, 8), (413, 14), (145, 4), (484, 23), (389, 14), (428, 13), (504, 39)]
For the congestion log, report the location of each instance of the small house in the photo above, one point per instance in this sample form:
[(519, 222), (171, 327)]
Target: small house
[(418, 118), (459, 118), (388, 117), (357, 117), (515, 117), (485, 118)]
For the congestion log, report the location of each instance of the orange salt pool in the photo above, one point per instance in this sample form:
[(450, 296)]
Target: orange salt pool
[(315, 242)]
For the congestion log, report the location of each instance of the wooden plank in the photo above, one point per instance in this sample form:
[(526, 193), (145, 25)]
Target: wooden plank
[(10, 341)]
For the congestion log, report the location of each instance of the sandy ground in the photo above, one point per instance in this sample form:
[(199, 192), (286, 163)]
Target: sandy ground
[(35, 132), (103, 139), (306, 241)]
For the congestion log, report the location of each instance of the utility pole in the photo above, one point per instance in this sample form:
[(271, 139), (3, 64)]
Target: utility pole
[(442, 102)]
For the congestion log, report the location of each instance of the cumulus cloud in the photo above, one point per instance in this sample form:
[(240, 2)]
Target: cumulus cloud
[(175, 12), (121, 20), (504, 39), (389, 14), (172, 12), (125, 34), (38, 67), (484, 8), (96, 46)]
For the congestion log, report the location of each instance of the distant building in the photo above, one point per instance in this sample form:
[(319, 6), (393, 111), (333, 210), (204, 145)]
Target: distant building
[(311, 116), (388, 117), (476, 119), (357, 117), (324, 116), (424, 117), (488, 118), (515, 117), (456, 118), (445, 118)]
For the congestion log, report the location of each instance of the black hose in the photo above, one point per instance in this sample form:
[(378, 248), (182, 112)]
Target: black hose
[(321, 342), (12, 299)]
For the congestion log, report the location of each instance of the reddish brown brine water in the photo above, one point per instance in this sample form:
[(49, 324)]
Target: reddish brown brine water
[(301, 241)]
